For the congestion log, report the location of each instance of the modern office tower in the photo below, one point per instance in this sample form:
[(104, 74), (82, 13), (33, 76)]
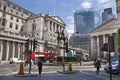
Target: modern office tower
[(107, 14), (84, 21)]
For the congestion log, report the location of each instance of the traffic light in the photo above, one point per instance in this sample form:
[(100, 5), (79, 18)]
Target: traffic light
[(111, 43), (66, 47), (27, 45), (34, 44)]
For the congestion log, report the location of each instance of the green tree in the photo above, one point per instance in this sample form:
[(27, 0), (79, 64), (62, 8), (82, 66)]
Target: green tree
[(118, 36)]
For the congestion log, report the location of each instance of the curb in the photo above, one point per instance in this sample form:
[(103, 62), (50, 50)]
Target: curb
[(68, 72), (25, 75)]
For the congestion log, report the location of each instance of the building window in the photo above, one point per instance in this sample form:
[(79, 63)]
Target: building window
[(3, 22), (11, 25), (4, 8), (21, 28), (16, 27), (17, 20), (3, 15), (17, 13), (11, 17), (33, 26), (22, 21), (13, 7), (11, 11)]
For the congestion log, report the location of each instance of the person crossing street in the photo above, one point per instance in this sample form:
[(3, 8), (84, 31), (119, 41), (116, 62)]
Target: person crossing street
[(39, 64), (97, 65)]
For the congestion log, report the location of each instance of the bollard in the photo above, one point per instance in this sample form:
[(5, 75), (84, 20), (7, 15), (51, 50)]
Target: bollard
[(21, 69), (69, 66)]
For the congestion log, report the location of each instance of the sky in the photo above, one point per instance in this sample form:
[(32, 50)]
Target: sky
[(65, 8)]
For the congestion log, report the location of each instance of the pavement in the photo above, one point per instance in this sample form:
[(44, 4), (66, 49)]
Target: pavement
[(46, 75)]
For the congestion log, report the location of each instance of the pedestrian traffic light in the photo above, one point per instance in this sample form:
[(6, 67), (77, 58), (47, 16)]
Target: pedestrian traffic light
[(27, 45), (66, 47), (34, 44)]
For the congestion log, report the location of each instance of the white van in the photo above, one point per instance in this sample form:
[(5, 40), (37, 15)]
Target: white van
[(14, 60)]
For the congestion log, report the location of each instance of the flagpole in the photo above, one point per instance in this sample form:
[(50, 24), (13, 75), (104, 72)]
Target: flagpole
[(54, 7)]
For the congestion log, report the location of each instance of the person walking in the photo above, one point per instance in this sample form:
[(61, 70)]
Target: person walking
[(97, 65), (39, 64)]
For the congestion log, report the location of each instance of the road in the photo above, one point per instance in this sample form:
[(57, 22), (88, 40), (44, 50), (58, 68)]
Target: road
[(85, 72)]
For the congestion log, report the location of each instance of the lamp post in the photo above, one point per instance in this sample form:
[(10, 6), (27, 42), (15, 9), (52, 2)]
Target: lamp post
[(61, 36)]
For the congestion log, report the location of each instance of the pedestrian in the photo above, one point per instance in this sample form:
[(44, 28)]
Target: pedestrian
[(26, 62), (97, 65), (39, 64)]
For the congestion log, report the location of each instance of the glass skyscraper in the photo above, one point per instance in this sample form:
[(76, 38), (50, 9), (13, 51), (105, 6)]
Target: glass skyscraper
[(107, 14), (84, 21)]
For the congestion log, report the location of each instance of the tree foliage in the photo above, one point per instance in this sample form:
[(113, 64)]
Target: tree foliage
[(118, 36)]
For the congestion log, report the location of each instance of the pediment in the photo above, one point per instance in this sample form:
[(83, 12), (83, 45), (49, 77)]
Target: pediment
[(58, 19), (108, 25)]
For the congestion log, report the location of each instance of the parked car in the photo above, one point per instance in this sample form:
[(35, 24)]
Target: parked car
[(14, 60), (115, 65)]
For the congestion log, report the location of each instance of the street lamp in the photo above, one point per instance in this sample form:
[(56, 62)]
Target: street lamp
[(61, 36)]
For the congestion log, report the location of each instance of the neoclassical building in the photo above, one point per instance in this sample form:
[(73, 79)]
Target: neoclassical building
[(44, 28), (12, 20), (100, 34), (18, 24)]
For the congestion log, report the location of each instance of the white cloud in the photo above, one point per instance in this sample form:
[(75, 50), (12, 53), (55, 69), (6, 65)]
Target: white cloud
[(102, 1), (70, 19), (86, 5), (70, 28), (70, 25)]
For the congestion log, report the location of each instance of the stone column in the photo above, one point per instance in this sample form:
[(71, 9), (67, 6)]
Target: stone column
[(55, 27), (104, 39), (13, 50), (23, 48), (1, 50), (52, 27), (92, 47), (48, 25), (98, 47), (18, 50), (7, 48), (59, 28)]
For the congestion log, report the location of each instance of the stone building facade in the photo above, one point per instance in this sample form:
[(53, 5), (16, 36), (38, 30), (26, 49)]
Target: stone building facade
[(18, 24), (44, 28), (100, 35)]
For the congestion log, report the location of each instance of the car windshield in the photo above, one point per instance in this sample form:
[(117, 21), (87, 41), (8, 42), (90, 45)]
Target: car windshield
[(114, 60)]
